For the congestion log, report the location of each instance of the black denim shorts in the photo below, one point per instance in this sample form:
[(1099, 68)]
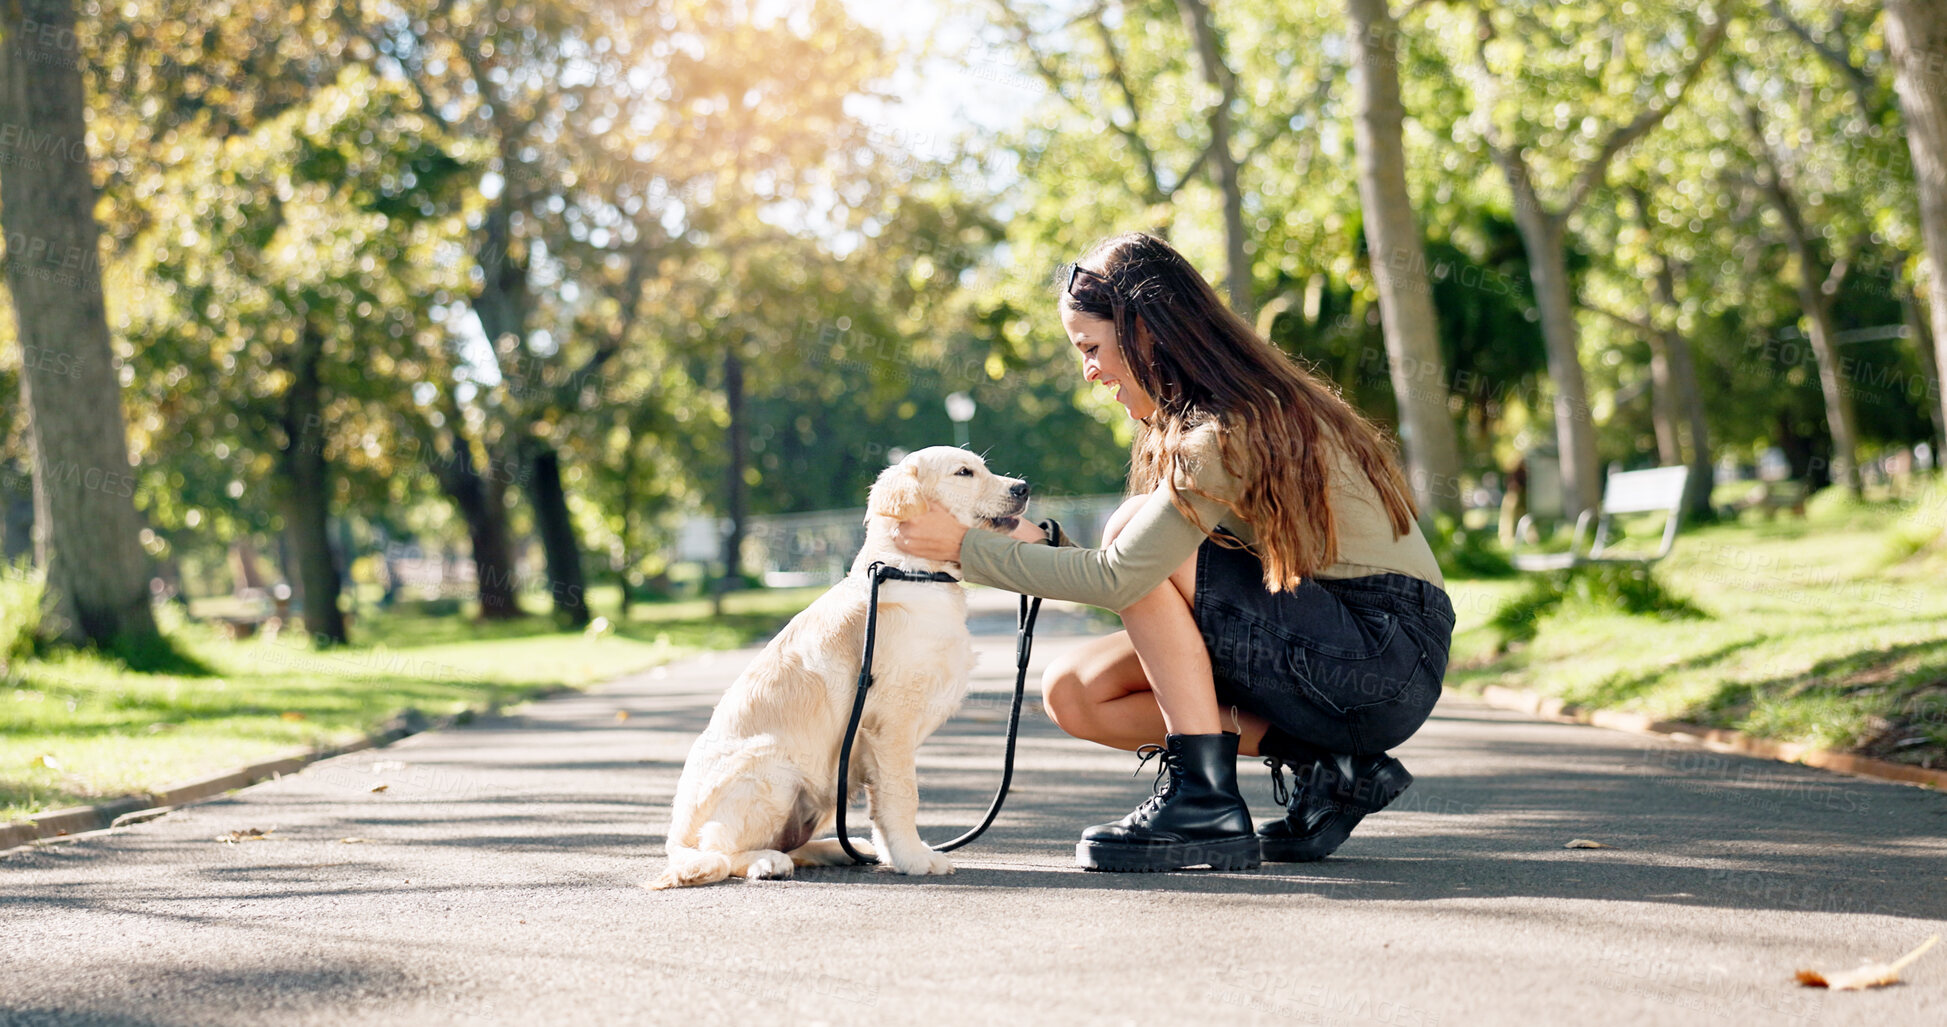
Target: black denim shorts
[(1351, 665)]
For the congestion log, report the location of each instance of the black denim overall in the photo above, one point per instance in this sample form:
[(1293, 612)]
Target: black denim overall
[(1350, 665)]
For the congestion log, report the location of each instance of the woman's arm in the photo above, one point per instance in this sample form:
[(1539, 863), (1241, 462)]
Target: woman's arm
[(1154, 544)]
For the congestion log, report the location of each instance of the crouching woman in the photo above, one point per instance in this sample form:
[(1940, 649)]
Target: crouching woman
[(1277, 597)]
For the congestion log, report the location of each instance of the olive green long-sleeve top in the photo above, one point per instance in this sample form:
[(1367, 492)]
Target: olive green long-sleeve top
[(1159, 538)]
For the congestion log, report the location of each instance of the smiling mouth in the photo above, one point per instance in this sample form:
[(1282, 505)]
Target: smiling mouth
[(1006, 522)]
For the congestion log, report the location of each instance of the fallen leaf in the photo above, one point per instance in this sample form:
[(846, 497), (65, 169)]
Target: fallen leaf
[(291, 715), (1869, 975), (353, 841), (621, 714), (253, 834), (380, 788), (1584, 843)]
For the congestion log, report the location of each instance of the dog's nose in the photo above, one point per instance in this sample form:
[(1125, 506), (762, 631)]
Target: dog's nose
[(1019, 490)]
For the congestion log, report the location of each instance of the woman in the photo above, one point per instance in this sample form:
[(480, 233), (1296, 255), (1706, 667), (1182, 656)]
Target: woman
[(1268, 571)]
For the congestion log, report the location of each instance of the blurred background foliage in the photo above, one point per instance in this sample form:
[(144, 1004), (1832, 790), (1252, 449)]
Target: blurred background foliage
[(562, 273)]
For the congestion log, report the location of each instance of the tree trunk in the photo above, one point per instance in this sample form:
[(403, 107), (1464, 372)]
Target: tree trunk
[(1663, 409), (1686, 397), (1418, 371), (1838, 401), (733, 479), (482, 502), (484, 507), (16, 512), (503, 306), (1690, 412), (1923, 343), (1815, 292), (566, 583), (1819, 329), (1210, 60), (1801, 455), (1916, 30), (307, 501), (86, 529), (1542, 235), (629, 467), (502, 301)]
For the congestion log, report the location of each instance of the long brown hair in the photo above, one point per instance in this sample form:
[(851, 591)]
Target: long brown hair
[(1202, 363)]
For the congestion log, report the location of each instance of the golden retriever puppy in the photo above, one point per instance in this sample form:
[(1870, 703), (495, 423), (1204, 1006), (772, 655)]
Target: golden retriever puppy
[(762, 780)]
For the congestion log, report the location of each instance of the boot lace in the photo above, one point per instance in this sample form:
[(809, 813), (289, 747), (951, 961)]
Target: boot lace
[(1158, 790), (1280, 794)]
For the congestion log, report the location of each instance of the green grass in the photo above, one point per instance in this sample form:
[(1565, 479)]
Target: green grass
[(79, 727), (1830, 630)]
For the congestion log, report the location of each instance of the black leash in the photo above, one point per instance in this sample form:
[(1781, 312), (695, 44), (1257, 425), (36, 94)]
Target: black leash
[(1023, 645)]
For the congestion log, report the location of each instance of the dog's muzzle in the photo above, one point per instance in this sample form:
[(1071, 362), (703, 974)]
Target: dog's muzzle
[(1006, 522)]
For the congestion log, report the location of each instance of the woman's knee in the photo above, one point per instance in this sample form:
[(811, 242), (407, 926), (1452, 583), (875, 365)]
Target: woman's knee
[(1064, 694)]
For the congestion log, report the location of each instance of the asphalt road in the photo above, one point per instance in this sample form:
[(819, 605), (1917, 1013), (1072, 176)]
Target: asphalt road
[(494, 880)]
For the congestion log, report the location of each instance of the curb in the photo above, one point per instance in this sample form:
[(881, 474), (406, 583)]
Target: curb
[(139, 808), (1547, 707)]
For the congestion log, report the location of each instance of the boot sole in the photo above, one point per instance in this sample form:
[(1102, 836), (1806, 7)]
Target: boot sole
[(1239, 852), (1309, 849)]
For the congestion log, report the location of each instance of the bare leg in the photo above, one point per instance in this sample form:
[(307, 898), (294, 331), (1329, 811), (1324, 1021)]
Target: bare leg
[(1174, 660), (1106, 690)]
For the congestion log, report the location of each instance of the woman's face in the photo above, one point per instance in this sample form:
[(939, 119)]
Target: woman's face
[(1102, 362)]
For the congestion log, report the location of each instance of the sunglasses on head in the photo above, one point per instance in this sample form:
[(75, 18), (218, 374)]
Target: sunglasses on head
[(1076, 271), (1116, 303)]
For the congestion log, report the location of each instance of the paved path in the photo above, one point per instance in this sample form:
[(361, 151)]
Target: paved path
[(493, 881)]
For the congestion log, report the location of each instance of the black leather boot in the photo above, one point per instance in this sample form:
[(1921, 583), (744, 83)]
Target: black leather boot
[(1197, 817), (1329, 798)]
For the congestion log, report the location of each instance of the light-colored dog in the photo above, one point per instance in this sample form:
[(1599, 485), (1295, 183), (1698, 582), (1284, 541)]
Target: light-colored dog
[(762, 780)]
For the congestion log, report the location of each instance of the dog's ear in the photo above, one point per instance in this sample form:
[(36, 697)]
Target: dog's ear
[(896, 494)]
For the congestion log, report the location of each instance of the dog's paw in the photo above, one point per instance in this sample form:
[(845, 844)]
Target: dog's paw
[(771, 864), (826, 852), (923, 862)]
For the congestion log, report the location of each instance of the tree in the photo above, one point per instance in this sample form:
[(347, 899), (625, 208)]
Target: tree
[(1917, 32), (1817, 280), (1117, 86), (85, 523), (1398, 261), (1220, 79), (1684, 400), (1682, 430), (1530, 149), (1873, 142), (285, 314), (502, 74)]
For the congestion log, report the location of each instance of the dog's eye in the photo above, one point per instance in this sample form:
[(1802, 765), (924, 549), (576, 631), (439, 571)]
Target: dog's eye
[(964, 472)]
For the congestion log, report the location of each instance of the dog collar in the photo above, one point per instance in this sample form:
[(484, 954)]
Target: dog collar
[(885, 572)]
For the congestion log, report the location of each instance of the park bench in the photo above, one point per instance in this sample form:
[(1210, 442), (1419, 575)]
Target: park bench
[(1659, 489), (255, 609)]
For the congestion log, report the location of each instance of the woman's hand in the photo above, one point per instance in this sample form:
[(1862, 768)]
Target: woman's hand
[(1028, 531), (933, 535)]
